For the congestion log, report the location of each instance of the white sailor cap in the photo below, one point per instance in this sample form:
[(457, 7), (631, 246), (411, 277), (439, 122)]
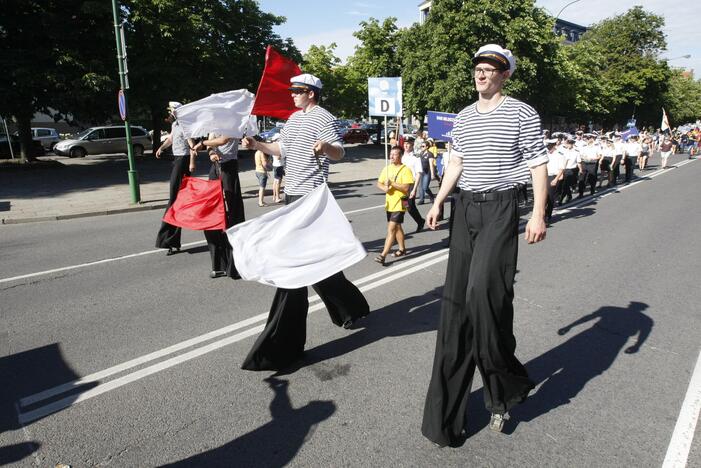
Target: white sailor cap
[(498, 55), (305, 81)]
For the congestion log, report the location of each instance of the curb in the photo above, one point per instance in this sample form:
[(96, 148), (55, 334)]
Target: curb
[(246, 193)]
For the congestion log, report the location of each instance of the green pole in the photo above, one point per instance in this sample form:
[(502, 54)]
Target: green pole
[(133, 175)]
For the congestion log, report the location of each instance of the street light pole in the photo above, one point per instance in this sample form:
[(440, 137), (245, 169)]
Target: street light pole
[(121, 55)]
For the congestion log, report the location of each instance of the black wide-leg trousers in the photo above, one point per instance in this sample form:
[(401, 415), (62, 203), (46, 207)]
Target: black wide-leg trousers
[(169, 235), (282, 341), (476, 324), (220, 250)]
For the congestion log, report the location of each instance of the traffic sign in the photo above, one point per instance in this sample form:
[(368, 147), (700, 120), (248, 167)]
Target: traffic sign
[(385, 96), (122, 103)]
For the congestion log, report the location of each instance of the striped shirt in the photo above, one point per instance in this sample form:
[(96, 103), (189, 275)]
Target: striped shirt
[(498, 147), (303, 170)]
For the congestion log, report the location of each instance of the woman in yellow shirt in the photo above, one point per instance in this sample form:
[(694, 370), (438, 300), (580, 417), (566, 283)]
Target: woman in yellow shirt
[(395, 181)]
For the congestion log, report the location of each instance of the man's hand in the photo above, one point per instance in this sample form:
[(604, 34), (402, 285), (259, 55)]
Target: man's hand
[(249, 143), (535, 230), (214, 157), (158, 152), (320, 148), (432, 217), (192, 167), (412, 194)]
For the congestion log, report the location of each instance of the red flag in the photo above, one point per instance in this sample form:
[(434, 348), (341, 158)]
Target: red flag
[(273, 98), (199, 206)]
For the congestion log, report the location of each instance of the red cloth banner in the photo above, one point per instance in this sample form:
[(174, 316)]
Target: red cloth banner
[(273, 98), (199, 206)]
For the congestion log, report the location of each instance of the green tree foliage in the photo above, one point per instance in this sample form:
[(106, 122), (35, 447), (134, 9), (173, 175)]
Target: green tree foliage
[(53, 60), (184, 50), (682, 100), (618, 68), (436, 55)]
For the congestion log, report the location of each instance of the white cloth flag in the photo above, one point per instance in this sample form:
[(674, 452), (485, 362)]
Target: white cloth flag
[(226, 114), (296, 245)]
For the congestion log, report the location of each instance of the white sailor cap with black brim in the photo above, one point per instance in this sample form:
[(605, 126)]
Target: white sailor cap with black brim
[(497, 55), (305, 82)]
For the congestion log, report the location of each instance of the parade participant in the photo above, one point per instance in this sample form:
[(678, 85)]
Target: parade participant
[(497, 140), (608, 153), (395, 181), (223, 152), (309, 139), (633, 149), (618, 155), (184, 156), (556, 174), (665, 150), (590, 155), (413, 162), (644, 152), (572, 163)]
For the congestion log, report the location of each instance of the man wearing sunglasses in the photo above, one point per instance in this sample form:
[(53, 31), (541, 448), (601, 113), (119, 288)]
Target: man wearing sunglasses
[(497, 144), (308, 140)]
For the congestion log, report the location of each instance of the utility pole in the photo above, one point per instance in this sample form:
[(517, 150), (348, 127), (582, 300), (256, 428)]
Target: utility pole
[(122, 101)]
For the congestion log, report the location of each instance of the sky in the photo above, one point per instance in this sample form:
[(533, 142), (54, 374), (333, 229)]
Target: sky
[(318, 22)]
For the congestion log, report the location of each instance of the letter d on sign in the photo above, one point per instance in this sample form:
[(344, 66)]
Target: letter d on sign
[(384, 105)]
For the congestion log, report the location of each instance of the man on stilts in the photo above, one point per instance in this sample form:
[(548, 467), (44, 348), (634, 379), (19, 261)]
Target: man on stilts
[(496, 141), (309, 139)]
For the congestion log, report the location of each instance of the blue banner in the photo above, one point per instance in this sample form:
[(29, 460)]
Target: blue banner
[(629, 133), (440, 126)]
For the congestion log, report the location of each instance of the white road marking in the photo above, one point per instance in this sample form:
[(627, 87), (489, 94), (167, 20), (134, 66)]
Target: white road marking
[(40, 412), (678, 450)]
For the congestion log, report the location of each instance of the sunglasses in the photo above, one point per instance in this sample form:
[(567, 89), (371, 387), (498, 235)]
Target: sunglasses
[(299, 91)]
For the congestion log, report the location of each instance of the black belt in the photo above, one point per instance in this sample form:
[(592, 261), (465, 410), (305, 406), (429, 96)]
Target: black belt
[(508, 194)]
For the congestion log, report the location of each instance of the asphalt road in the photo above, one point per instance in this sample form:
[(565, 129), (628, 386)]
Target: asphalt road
[(157, 345)]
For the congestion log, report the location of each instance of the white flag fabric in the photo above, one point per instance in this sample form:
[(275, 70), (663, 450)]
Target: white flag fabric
[(226, 114), (296, 245), (665, 121)]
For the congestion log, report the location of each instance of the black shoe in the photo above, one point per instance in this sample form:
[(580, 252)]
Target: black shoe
[(420, 226), (348, 324), (172, 250), (217, 273)]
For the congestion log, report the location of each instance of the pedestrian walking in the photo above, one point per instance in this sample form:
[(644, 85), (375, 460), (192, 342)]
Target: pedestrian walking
[(309, 139), (223, 153), (395, 181), (666, 149), (184, 156), (278, 174), (413, 162), (263, 165), (591, 157), (633, 150), (556, 175), (497, 141), (427, 172), (573, 161)]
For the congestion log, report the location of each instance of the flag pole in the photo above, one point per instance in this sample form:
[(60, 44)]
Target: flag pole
[(386, 149)]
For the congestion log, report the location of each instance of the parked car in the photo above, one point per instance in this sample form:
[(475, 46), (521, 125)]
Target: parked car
[(355, 135), (47, 136), (104, 140), (36, 150), (271, 135)]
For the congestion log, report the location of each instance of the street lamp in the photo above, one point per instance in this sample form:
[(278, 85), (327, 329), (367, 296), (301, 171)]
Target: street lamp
[(563, 8), (687, 56)]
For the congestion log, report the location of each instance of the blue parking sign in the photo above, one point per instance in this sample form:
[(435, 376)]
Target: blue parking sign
[(385, 97)]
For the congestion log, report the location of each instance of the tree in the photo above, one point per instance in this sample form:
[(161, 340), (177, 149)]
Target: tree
[(619, 67), (49, 67), (183, 50), (437, 55), (682, 100)]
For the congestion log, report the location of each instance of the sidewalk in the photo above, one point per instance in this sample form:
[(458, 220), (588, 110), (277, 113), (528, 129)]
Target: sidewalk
[(98, 185)]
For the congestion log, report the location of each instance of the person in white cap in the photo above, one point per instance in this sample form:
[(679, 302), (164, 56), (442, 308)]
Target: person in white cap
[(184, 156), (308, 140), (497, 142)]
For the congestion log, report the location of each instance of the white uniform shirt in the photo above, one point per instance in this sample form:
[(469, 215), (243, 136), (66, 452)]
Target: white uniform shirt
[(556, 162), (572, 157), (413, 162), (619, 148), (633, 149), (589, 153)]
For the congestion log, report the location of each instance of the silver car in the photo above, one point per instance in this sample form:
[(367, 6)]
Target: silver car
[(47, 136), (104, 140)]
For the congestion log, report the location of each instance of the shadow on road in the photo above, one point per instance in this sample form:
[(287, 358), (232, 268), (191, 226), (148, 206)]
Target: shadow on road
[(31, 372), (273, 444), (564, 371)]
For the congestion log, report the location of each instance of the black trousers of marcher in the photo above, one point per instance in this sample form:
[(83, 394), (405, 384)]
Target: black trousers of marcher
[(630, 165), (414, 212), (476, 324), (588, 177), (615, 170), (169, 235), (568, 183), (220, 250), (550, 202), (282, 341)]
